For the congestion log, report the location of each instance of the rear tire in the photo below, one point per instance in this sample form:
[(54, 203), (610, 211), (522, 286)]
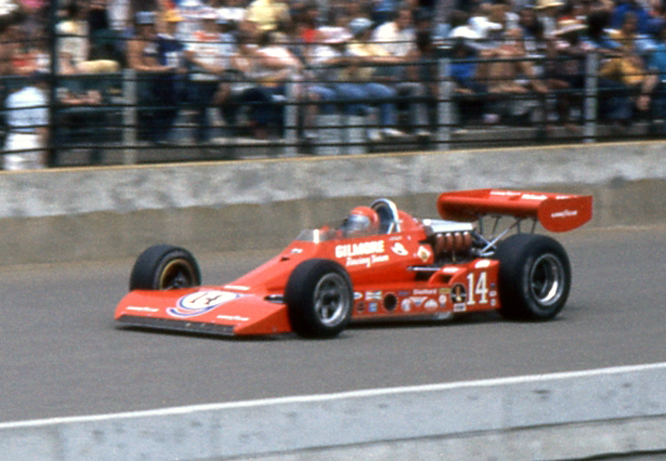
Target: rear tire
[(319, 298), (534, 277), (165, 267)]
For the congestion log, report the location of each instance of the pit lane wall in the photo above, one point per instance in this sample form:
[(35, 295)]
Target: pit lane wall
[(89, 213), (556, 416)]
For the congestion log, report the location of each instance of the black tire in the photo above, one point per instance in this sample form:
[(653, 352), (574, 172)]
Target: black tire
[(319, 298), (534, 277), (165, 267)]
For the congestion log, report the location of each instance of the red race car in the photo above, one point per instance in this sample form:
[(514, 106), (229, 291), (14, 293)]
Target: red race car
[(381, 263)]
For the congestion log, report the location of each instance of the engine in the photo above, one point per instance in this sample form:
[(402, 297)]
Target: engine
[(451, 240)]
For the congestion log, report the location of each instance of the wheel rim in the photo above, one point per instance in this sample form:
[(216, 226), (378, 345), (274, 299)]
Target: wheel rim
[(547, 280), (331, 299), (176, 274)]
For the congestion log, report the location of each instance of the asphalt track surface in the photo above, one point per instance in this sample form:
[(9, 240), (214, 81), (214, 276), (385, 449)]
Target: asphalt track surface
[(61, 355)]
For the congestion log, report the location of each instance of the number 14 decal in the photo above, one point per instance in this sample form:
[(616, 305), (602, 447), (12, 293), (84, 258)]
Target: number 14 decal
[(477, 292)]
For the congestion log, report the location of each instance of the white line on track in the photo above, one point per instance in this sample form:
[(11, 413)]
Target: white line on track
[(334, 396)]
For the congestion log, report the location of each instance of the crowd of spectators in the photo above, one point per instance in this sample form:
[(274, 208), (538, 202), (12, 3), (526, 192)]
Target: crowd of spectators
[(511, 60)]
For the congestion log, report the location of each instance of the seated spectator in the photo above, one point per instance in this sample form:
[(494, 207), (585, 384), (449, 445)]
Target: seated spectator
[(154, 79), (460, 28), (232, 11), (262, 70), (383, 11), (276, 66), (238, 89), (105, 42), (74, 42), (81, 118), (360, 75), (265, 15), (397, 36), (633, 7), (629, 69), (207, 56), (27, 117), (326, 60), (480, 21), (510, 73), (614, 102)]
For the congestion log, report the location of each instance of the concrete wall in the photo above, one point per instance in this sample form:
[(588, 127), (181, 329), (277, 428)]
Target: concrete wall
[(557, 416), (74, 214)]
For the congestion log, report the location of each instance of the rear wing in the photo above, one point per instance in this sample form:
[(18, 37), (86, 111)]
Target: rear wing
[(555, 212)]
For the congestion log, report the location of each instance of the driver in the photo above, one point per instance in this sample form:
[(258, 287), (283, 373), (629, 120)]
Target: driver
[(362, 220)]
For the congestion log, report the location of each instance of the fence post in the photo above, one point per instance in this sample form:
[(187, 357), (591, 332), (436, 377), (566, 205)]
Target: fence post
[(52, 148), (444, 104), (591, 97), (291, 118), (129, 116)]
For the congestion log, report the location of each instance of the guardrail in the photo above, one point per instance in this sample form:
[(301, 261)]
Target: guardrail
[(576, 415)]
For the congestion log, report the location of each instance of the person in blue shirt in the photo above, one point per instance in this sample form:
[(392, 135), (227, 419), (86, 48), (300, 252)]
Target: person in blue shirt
[(614, 101), (630, 6), (170, 53), (657, 64)]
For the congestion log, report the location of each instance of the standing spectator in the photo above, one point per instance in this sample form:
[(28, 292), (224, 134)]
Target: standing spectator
[(171, 53), (423, 81), (142, 56), (568, 72), (28, 119), (206, 55)]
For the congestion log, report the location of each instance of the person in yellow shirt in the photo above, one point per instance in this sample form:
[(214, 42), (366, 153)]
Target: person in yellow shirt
[(630, 68), (360, 77)]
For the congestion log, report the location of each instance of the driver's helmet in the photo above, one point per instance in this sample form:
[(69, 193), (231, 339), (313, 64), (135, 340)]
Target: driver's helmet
[(361, 219)]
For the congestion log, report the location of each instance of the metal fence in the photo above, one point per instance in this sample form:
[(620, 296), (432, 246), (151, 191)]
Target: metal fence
[(116, 127)]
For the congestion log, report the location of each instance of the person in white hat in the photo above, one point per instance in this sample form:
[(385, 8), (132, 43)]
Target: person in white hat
[(207, 55), (548, 11)]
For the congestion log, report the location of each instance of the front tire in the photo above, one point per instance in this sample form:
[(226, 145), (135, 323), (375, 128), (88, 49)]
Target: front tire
[(534, 277), (319, 298), (165, 267)]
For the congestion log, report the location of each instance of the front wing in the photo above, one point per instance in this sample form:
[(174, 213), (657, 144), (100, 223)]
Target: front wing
[(209, 310)]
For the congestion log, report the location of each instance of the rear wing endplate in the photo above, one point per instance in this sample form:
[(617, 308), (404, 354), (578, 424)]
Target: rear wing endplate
[(555, 212)]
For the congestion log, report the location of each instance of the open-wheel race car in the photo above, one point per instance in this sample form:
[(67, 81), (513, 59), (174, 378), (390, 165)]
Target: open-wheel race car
[(380, 263)]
